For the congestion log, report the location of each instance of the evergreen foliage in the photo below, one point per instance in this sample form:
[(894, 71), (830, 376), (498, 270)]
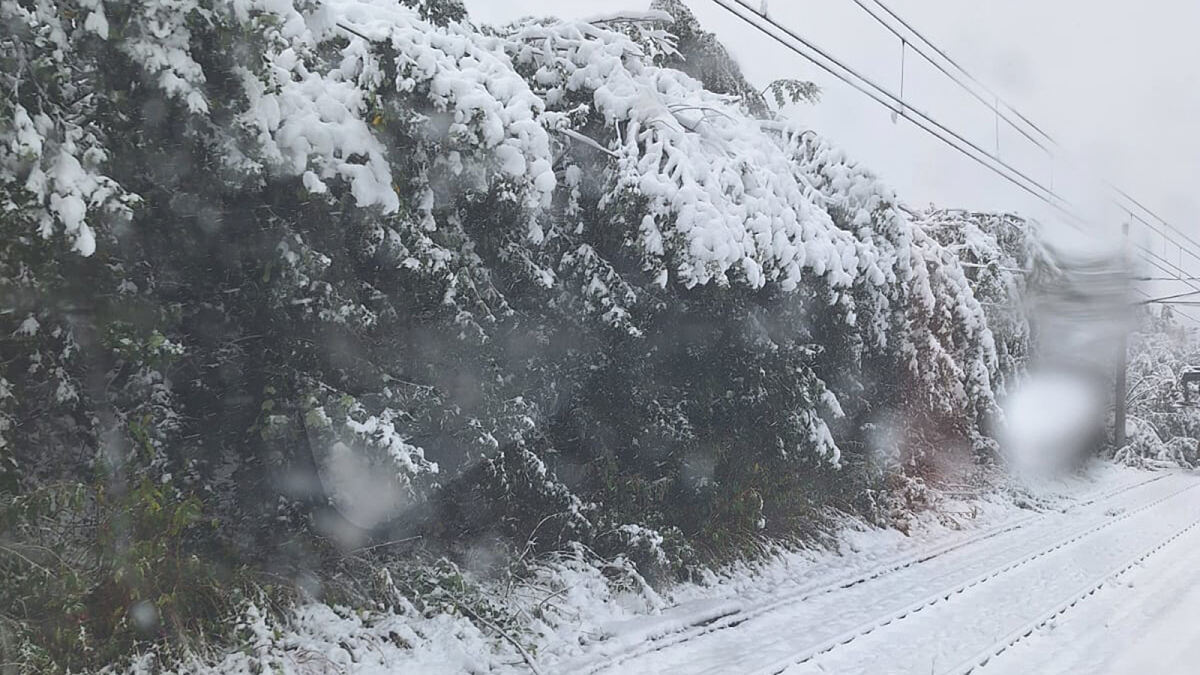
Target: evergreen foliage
[(283, 280)]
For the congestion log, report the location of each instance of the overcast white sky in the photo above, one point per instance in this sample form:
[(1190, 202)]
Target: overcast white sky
[(1118, 83)]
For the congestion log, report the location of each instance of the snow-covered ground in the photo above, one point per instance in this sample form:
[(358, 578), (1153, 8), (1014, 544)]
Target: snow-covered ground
[(1016, 589), (1146, 620), (1099, 574)]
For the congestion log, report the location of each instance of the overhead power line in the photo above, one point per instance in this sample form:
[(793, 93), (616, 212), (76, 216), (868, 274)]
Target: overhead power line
[(1174, 307), (995, 104), (888, 99), (998, 105), (962, 70), (805, 48), (1164, 265), (797, 43), (1167, 298)]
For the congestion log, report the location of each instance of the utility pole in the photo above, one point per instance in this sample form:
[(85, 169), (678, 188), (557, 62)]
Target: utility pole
[(1120, 402), (1119, 416)]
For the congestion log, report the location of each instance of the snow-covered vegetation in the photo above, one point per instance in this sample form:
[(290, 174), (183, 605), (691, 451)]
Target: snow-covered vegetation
[(1163, 427), (298, 297)]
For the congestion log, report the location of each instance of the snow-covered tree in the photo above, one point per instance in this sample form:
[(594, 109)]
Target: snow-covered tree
[(330, 273), (1162, 427)]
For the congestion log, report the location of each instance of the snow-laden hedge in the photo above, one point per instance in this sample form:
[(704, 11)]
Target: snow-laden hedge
[(331, 272)]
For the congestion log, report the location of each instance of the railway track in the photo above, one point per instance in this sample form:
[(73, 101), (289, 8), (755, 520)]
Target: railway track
[(869, 627), (735, 618), (984, 656)]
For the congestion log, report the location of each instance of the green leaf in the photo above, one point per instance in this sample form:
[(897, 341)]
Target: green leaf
[(788, 91)]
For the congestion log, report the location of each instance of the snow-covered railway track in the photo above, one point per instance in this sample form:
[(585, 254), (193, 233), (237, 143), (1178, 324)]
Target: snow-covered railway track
[(1108, 494), (737, 617), (870, 627), (984, 656), (734, 618)]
